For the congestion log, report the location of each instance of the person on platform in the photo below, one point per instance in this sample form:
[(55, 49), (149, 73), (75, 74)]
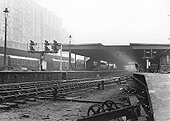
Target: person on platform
[(137, 67)]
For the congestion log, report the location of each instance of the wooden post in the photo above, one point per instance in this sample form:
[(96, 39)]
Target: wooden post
[(102, 83), (55, 92)]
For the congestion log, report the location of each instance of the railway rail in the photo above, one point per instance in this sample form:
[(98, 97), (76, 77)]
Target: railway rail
[(11, 94), (133, 104)]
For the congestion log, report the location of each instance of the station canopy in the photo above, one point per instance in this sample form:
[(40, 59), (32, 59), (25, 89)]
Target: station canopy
[(115, 53)]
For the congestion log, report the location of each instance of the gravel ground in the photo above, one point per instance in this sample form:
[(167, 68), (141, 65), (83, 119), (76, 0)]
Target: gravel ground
[(49, 110)]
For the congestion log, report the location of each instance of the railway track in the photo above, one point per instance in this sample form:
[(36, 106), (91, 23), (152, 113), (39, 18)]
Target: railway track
[(13, 94)]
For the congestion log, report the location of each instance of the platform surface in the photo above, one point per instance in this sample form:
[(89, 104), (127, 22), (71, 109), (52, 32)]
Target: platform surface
[(159, 90)]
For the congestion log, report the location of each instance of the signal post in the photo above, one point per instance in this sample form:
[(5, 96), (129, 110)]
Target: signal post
[(54, 49)]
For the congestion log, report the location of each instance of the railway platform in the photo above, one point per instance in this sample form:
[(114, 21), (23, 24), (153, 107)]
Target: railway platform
[(159, 91)]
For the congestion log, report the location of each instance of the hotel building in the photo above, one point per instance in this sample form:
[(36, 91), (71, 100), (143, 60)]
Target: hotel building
[(29, 21)]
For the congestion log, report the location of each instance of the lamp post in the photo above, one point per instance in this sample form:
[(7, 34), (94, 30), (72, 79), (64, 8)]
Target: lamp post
[(70, 52), (5, 41)]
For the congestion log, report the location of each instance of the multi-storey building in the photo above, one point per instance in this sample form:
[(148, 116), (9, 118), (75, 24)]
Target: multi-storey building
[(29, 21)]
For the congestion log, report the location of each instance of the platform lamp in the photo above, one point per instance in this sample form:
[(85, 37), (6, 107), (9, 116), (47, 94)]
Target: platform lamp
[(5, 41), (70, 52)]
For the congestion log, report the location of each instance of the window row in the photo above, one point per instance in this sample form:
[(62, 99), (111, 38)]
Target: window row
[(23, 62)]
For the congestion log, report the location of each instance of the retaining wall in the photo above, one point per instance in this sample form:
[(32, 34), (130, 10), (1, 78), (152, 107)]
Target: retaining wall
[(19, 77)]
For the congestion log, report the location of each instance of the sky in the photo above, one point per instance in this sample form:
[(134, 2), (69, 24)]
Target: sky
[(113, 22)]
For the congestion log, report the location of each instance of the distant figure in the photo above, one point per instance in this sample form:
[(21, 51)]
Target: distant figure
[(136, 66)]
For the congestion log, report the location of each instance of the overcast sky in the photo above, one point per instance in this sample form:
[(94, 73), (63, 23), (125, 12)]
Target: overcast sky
[(113, 21)]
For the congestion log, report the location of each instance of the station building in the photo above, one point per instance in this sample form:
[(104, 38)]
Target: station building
[(29, 21)]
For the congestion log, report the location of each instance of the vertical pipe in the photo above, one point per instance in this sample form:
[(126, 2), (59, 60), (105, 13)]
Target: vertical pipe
[(99, 66), (70, 52), (40, 64), (41, 61), (75, 62), (61, 66), (84, 63), (108, 68), (167, 59)]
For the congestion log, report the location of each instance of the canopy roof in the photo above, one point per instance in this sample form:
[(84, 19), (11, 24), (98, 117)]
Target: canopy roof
[(115, 53)]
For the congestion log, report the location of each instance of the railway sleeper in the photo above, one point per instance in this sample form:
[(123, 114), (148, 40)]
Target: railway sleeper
[(11, 104), (21, 95), (39, 92), (8, 98), (4, 93), (31, 99), (62, 94), (40, 89), (47, 91), (19, 101), (4, 107), (2, 89), (57, 94), (31, 93)]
